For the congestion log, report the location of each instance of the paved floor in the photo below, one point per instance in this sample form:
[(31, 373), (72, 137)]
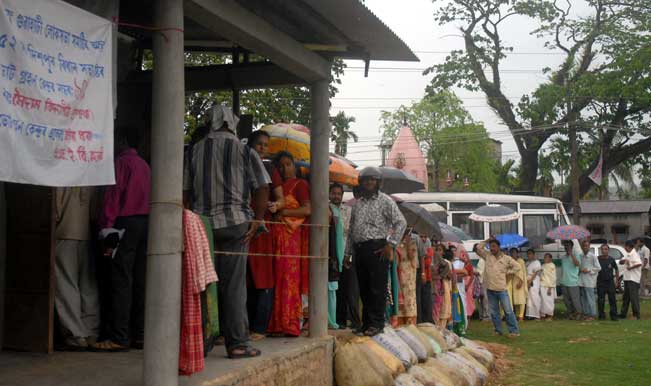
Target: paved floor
[(125, 369)]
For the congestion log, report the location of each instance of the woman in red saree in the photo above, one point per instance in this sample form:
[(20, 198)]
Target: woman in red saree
[(287, 308)]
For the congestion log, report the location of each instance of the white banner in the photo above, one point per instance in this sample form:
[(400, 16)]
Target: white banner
[(597, 174), (56, 102)]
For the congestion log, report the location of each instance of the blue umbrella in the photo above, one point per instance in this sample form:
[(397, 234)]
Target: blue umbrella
[(511, 240)]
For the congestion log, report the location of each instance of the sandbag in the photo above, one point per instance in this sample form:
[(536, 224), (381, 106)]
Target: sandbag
[(422, 338), (430, 378), (390, 361), (451, 338), (435, 346), (433, 332), (406, 380), (413, 343), (479, 352), (376, 363), (461, 367), (396, 346), (437, 367), (480, 370), (353, 369), (465, 351)]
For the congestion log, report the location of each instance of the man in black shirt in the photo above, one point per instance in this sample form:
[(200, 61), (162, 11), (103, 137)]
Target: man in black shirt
[(606, 283)]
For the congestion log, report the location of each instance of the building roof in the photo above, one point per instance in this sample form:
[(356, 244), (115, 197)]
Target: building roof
[(615, 206), (339, 28)]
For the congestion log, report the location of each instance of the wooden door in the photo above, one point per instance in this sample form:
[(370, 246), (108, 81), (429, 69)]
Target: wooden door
[(29, 292)]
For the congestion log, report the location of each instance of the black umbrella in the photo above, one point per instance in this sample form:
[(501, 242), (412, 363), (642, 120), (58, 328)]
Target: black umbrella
[(397, 181), (452, 234), (421, 220)]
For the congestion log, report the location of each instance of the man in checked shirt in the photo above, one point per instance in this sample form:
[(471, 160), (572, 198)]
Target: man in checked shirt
[(376, 227)]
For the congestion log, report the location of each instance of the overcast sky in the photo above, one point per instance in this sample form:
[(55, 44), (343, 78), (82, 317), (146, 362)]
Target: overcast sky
[(413, 22)]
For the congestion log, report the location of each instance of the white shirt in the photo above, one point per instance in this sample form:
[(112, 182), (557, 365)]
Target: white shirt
[(644, 256), (481, 265), (632, 259)]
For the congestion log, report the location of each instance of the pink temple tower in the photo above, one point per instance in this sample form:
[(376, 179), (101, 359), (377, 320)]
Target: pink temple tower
[(406, 154)]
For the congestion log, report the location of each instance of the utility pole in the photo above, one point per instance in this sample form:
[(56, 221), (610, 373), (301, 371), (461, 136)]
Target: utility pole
[(574, 164)]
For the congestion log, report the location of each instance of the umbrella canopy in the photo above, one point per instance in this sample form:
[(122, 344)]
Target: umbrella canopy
[(289, 137), (453, 234), (421, 220), (397, 181), (568, 232), (494, 213), (437, 211), (511, 240), (339, 171)]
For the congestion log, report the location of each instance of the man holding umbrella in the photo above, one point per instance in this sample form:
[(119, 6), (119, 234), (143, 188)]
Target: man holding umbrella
[(376, 227)]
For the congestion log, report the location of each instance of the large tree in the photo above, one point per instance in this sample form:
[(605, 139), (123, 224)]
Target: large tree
[(449, 138), (601, 84)]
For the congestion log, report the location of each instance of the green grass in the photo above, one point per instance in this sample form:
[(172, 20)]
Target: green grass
[(563, 352)]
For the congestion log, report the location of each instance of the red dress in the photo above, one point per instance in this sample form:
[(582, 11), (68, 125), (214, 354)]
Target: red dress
[(287, 308)]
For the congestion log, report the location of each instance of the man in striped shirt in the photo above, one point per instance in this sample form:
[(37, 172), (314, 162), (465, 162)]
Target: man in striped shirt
[(220, 175)]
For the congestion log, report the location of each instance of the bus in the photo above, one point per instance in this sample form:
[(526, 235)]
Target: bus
[(538, 215)]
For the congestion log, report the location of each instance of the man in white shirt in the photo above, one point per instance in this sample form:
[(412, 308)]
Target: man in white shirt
[(632, 273), (645, 255)]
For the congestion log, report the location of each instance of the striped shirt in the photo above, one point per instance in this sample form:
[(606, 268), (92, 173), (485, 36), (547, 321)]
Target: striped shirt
[(221, 172)]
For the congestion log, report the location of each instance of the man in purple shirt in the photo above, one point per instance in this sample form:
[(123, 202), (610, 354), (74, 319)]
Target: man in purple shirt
[(126, 207)]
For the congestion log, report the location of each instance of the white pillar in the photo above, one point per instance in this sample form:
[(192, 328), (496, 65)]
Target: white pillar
[(163, 298), (319, 180)]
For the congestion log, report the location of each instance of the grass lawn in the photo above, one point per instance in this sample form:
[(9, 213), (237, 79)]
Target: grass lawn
[(563, 352)]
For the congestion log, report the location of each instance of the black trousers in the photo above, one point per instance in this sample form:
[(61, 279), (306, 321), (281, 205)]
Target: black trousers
[(259, 303), (231, 270), (609, 290), (632, 296), (373, 278), (427, 303), (348, 298), (127, 281)]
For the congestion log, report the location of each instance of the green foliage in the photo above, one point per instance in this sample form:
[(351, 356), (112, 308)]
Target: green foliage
[(449, 138), (603, 81), (267, 106), (341, 132)]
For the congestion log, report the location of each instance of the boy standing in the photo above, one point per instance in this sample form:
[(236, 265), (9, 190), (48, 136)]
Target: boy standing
[(606, 283)]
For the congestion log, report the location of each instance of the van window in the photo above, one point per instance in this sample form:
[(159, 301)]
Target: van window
[(537, 224), (473, 228), (529, 205), (465, 206), (500, 228)]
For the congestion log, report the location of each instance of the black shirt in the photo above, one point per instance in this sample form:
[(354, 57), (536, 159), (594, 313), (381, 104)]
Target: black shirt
[(608, 270)]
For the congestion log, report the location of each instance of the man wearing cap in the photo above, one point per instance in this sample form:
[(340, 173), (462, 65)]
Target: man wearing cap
[(376, 227), (222, 175)]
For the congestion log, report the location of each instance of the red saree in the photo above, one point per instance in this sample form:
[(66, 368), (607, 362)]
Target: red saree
[(287, 309)]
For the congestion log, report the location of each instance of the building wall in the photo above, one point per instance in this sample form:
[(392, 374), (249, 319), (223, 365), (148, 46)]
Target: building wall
[(637, 224), (407, 147)]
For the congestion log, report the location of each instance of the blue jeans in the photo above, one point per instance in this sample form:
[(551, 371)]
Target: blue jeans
[(588, 304), (494, 300)]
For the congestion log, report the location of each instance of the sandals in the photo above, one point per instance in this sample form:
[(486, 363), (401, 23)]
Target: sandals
[(108, 346), (372, 331), (243, 352)]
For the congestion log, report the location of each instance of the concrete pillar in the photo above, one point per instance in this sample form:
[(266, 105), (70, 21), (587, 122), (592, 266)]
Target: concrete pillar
[(163, 300), (319, 180)]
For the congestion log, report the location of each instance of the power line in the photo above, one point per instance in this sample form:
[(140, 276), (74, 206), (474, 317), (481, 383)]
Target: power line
[(506, 53)]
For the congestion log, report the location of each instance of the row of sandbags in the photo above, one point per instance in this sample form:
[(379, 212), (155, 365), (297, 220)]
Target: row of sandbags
[(420, 355)]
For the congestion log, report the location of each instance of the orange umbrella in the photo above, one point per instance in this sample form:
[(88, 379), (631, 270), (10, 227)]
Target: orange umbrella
[(289, 137), (342, 172)]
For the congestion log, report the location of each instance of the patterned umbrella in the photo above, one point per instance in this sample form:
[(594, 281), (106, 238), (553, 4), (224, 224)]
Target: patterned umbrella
[(511, 240), (568, 232), (494, 213), (289, 137)]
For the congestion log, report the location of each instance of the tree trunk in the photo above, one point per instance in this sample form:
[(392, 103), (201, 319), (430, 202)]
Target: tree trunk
[(437, 176), (574, 178), (529, 170)]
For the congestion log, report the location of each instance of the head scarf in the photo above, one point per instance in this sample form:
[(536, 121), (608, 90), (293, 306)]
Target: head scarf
[(220, 114)]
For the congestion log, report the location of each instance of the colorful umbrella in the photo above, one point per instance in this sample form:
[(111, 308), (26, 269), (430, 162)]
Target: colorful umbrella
[(494, 213), (339, 171), (568, 232), (511, 240), (289, 137)]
